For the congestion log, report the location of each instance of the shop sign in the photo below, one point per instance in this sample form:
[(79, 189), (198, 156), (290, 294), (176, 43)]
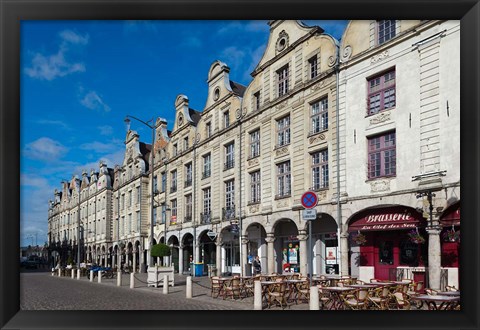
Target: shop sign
[(331, 255), (386, 221), (309, 214), (173, 220)]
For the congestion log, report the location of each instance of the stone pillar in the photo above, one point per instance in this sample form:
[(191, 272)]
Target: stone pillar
[(243, 262), (343, 253), (302, 237), (180, 259), (197, 252), (219, 257), (434, 257), (270, 254)]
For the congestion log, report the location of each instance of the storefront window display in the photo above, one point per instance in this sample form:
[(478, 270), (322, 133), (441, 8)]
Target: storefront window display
[(291, 256)]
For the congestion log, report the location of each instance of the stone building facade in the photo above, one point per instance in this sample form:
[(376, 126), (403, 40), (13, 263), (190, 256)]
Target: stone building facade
[(371, 124)]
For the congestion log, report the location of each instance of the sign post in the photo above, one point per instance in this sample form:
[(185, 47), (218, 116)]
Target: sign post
[(309, 201)]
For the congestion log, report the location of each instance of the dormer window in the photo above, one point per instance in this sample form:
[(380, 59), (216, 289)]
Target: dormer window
[(386, 30), (282, 76), (216, 94), (312, 66), (226, 119), (256, 101)]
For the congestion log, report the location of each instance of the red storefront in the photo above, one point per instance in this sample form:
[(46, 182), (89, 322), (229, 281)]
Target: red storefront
[(390, 240), (450, 236)]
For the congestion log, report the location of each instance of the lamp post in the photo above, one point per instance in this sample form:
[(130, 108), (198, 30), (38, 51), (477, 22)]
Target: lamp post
[(165, 208), (152, 127)]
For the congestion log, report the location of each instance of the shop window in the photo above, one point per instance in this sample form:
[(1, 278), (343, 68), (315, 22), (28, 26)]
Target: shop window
[(385, 252), (409, 254)]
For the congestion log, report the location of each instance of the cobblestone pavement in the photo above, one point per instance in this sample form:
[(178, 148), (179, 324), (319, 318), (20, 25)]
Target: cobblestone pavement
[(42, 291)]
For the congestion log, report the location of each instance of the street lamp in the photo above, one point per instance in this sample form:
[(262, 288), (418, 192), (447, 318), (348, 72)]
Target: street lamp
[(152, 127)]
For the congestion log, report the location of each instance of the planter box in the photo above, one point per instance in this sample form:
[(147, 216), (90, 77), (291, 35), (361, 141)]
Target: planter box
[(156, 274)]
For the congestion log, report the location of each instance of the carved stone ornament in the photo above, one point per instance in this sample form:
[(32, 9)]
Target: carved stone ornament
[(253, 120), (282, 41), (379, 57), (379, 186), (322, 194), (281, 151), (332, 60), (317, 86), (380, 118), (282, 105), (253, 209), (282, 203), (317, 138), (253, 162), (238, 113), (199, 137), (347, 53)]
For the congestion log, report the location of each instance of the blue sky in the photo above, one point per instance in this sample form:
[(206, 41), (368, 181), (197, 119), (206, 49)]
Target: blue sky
[(80, 78)]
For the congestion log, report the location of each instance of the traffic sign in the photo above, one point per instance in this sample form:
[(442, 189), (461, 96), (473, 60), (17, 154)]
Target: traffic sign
[(309, 200), (309, 214), (211, 234)]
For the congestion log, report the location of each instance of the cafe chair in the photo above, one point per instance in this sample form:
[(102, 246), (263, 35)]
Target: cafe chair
[(402, 301), (324, 297), (450, 288), (357, 300), (431, 292), (278, 294), (359, 282), (232, 288), (303, 292), (216, 287), (415, 288), (379, 298), (248, 287)]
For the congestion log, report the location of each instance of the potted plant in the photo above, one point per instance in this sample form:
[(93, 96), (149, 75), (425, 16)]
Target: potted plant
[(451, 235), (415, 237), (359, 239), (160, 250)]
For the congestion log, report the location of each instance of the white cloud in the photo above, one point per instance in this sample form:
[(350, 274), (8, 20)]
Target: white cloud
[(233, 56), (93, 101), (99, 146), (57, 123), (105, 130), (50, 67), (45, 149)]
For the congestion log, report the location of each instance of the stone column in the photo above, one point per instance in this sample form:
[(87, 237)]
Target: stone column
[(243, 262), (270, 254), (180, 259), (344, 253), (219, 257), (197, 252), (302, 237), (434, 257)]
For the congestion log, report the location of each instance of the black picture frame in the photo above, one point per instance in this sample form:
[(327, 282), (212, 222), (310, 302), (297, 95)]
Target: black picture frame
[(13, 12)]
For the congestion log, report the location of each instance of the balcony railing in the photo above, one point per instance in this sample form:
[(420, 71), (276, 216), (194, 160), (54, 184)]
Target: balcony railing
[(188, 183), (228, 213), (228, 165), (206, 217)]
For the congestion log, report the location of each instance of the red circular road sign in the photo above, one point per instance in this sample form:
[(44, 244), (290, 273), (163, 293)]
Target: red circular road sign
[(309, 200)]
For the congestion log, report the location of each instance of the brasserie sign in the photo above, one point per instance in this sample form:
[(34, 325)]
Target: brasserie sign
[(385, 221)]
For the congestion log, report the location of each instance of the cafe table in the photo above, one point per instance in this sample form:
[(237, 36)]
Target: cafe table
[(449, 293), (362, 286), (293, 286), (336, 296), (265, 287), (438, 302)]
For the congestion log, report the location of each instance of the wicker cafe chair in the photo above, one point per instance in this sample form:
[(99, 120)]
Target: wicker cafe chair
[(431, 292), (450, 288), (324, 297), (415, 288), (216, 287), (379, 298), (402, 301), (278, 294), (357, 300), (248, 287), (232, 288), (303, 292)]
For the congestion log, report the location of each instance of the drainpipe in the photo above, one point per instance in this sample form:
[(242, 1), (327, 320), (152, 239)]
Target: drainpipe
[(194, 177), (242, 265)]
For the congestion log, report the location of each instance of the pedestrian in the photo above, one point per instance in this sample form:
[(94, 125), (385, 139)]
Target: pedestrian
[(257, 266)]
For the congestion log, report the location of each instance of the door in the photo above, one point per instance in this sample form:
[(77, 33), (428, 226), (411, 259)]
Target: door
[(386, 256)]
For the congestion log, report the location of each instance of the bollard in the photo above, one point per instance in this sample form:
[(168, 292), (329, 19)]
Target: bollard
[(78, 274), (99, 276), (91, 276), (165, 284), (257, 293), (189, 287), (73, 273), (314, 302), (132, 280), (119, 278), (59, 272)]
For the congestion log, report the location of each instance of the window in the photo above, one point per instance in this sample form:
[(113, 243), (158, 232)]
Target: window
[(207, 204), (255, 143), (226, 119), (122, 226), (154, 216), (188, 208), (138, 222), (320, 170), (173, 188), (164, 182), (255, 187), (138, 195), (381, 92), (381, 156), (229, 210), (188, 175), (386, 30), (185, 143), (320, 116), (155, 184), (129, 223), (175, 150), (123, 201), (207, 159), (164, 213), (312, 65), (283, 179), (283, 131), (229, 155), (173, 219), (282, 76), (130, 199), (256, 100), (208, 129)]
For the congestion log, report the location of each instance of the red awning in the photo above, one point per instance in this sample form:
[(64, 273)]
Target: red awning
[(392, 218), (451, 216)]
